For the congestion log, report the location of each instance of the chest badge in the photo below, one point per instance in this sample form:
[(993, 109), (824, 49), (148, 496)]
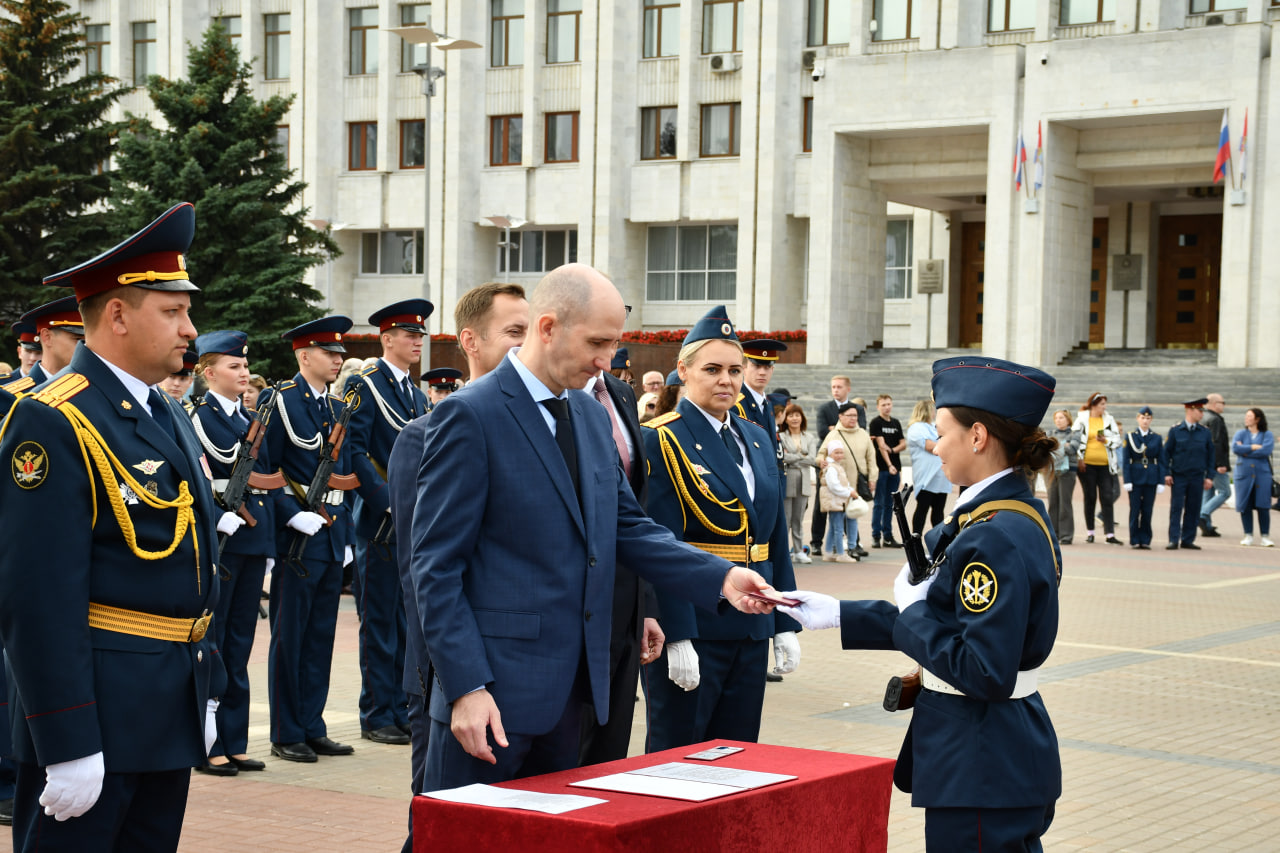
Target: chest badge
[(30, 465), (149, 466), (977, 587)]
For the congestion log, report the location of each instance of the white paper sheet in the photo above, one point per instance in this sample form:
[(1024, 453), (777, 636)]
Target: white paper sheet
[(507, 798), (677, 781)]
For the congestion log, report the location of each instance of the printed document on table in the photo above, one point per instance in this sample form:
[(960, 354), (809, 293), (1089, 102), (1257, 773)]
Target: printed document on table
[(506, 798), (676, 781)]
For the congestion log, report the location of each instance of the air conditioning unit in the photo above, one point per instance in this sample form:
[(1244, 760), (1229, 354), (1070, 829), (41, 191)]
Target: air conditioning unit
[(723, 63), (1217, 19), (807, 59)]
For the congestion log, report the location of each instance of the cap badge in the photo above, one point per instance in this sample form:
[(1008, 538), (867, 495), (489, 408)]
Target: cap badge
[(726, 329)]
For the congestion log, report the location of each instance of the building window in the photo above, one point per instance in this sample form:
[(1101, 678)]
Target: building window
[(391, 253), (692, 263), (1198, 6), (721, 26), (506, 140), (897, 259), (1087, 12), (721, 130), (231, 26), (282, 142), (661, 28), (144, 51), (657, 133), (97, 58), (900, 19), (538, 251), (362, 145), (276, 33), (806, 133), (362, 29), (412, 143), (564, 22), (413, 55), (506, 44), (1007, 15), (562, 138), (829, 21)]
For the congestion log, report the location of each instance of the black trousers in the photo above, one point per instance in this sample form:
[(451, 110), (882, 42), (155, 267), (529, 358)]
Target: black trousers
[(1099, 485), (933, 503)]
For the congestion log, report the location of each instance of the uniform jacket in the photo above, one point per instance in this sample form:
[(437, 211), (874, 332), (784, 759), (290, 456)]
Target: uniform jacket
[(402, 486), (220, 437), (380, 413), (761, 415), (992, 612), (1189, 453), (76, 690), (513, 573), (294, 439), (16, 383), (675, 483), (1143, 459), (1252, 467)]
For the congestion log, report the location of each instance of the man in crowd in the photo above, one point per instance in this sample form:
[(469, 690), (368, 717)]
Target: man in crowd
[(886, 431), (1188, 463), (828, 418), (1221, 463), (652, 382)]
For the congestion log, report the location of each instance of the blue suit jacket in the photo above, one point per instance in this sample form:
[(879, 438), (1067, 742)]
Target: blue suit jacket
[(380, 412), (402, 483), (77, 690), (1143, 459), (219, 438), (513, 574)]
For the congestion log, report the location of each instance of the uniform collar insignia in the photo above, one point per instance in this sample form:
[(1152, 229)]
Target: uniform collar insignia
[(149, 466)]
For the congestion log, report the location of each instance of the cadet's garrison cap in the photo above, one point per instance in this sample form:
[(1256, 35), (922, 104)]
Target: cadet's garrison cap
[(325, 333), (714, 326), (1014, 391), (443, 378), (58, 314), (189, 360), (621, 359), (673, 378), (410, 315), (152, 259), (227, 342), (763, 350), (1197, 404), (26, 333)]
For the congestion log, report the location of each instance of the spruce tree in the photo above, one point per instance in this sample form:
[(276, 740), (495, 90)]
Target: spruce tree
[(54, 141), (218, 151)]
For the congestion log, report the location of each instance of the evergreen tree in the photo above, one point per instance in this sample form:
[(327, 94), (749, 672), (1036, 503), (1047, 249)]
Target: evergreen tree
[(252, 245), (53, 143)]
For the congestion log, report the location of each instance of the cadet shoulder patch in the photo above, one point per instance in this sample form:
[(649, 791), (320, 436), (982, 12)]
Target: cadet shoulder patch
[(62, 390), (978, 587), (30, 465), (661, 420), (19, 385)]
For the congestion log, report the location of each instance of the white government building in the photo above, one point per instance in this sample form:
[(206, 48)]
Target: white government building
[(835, 165)]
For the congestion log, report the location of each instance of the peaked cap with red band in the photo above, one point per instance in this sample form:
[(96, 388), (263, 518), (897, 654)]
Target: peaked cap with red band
[(325, 333), (763, 349), (58, 314), (26, 333), (410, 315)]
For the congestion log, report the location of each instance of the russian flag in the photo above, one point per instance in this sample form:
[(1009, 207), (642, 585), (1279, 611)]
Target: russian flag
[(1039, 158), (1019, 161), (1244, 134), (1221, 164)]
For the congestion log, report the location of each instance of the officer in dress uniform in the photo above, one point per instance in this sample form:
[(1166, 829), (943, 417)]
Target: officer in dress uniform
[(311, 550), (980, 755), (760, 358), (441, 382), (713, 481), (1188, 464), (1143, 477), (28, 349), (113, 672), (383, 399), (59, 328), (222, 423)]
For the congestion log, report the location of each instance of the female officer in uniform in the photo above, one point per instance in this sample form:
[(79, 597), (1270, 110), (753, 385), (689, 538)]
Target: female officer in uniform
[(713, 481), (980, 755)]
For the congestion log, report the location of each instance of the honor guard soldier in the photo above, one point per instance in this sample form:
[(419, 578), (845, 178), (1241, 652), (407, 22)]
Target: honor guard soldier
[(28, 349), (441, 382), (246, 550), (179, 382), (760, 356), (114, 671), (383, 400), (313, 541), (59, 328), (713, 481), (1188, 463), (1144, 474)]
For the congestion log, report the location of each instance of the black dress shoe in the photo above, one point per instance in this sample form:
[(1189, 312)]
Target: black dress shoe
[(1211, 532), (325, 746), (1144, 547), (407, 729), (769, 676), (1111, 540), (294, 752), (892, 543), (212, 769), (1089, 538), (859, 552), (1172, 546), (1190, 546), (386, 734), (247, 763)]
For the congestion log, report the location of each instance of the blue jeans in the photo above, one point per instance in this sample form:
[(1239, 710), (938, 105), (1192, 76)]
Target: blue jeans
[(839, 527), (882, 509), (1221, 488)]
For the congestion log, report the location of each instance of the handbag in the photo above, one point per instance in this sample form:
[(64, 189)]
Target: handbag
[(856, 507), (863, 488)]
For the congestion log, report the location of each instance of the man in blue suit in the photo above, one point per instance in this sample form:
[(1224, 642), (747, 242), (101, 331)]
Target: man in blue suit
[(114, 672), (522, 519), (384, 399)]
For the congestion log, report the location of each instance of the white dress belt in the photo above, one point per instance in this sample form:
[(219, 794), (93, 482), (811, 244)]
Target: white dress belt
[(220, 486), (1025, 685)]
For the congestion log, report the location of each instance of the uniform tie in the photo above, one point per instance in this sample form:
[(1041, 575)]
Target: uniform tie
[(564, 436), (322, 406), (160, 413), (602, 394), (732, 446), (408, 392)]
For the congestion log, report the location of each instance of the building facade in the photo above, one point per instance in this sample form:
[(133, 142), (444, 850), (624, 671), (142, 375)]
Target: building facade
[(837, 165)]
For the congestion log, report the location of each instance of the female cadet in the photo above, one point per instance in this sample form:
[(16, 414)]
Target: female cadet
[(980, 754), (713, 481), (222, 423)]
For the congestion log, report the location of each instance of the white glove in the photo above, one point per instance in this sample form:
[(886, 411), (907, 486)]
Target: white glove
[(306, 523), (682, 664), (210, 724), (1159, 488), (348, 556), (816, 612), (1128, 487), (906, 594), (72, 787), (271, 564), (230, 523), (786, 652)]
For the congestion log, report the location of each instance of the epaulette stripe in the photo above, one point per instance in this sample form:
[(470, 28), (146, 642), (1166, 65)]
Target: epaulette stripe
[(661, 420), (287, 385), (371, 369), (19, 385), (63, 390)]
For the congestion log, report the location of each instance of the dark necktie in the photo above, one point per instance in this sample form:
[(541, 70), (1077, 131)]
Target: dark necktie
[(564, 436), (322, 405), (408, 393), (160, 413), (732, 446)]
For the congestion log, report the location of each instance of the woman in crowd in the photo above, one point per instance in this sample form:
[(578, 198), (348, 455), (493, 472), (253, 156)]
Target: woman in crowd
[(1062, 482), (670, 394), (930, 484), (646, 406), (860, 458), (842, 531), (799, 459), (251, 392), (1252, 447), (1098, 464), (980, 755)]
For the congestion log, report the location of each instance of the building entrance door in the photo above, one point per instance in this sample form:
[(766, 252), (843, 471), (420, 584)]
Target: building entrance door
[(973, 237), (1098, 286), (1189, 277)]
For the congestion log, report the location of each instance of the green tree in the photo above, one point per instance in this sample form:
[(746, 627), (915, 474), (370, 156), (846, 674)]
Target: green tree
[(54, 141), (252, 244)]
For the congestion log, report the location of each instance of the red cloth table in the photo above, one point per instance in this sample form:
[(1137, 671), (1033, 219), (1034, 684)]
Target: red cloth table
[(838, 802)]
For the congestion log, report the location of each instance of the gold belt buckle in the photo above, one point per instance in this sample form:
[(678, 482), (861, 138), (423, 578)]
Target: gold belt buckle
[(201, 627), (758, 553)]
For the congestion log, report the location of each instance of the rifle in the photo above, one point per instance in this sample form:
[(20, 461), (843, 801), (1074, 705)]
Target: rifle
[(901, 692), (322, 481), (243, 477)]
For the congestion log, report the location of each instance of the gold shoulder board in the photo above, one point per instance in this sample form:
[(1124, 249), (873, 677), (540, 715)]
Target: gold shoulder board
[(661, 420), (17, 386), (62, 390)]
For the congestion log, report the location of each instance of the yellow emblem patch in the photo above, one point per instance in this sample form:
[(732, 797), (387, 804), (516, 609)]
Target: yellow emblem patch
[(30, 465), (977, 587)]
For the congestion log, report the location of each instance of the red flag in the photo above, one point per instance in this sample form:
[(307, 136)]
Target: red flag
[(1223, 162)]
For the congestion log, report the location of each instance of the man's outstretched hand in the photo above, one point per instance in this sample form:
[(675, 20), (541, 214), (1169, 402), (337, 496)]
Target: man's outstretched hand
[(740, 581)]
